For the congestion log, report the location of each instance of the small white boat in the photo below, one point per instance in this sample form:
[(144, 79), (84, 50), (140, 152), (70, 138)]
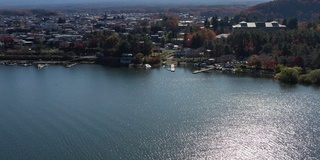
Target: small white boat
[(172, 68), (26, 65), (40, 66), (147, 66), (196, 71)]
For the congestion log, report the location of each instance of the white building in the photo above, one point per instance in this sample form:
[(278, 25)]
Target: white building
[(265, 26)]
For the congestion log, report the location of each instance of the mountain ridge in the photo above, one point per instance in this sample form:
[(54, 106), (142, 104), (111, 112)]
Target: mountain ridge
[(31, 4)]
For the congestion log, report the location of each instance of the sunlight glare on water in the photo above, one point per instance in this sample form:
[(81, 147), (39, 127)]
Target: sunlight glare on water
[(95, 112)]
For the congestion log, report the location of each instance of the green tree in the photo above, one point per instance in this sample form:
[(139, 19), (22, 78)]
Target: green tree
[(218, 50), (284, 21), (314, 76), (206, 23), (288, 75), (133, 41), (148, 46), (215, 23), (239, 42), (61, 20), (292, 23), (156, 27), (197, 41), (267, 48), (138, 58), (125, 47)]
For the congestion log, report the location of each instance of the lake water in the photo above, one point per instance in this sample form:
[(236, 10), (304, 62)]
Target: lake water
[(95, 112)]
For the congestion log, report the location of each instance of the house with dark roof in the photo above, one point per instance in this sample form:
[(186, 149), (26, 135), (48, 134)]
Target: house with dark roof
[(265, 26)]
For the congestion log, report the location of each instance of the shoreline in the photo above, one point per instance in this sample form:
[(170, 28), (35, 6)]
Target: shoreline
[(68, 64), (10, 60), (137, 66)]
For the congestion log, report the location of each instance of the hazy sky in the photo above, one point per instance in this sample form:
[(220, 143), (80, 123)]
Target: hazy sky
[(45, 1)]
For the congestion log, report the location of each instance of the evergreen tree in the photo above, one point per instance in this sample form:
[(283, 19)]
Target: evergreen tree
[(292, 23)]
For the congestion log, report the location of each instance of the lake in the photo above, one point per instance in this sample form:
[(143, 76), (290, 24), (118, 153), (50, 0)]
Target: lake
[(97, 112)]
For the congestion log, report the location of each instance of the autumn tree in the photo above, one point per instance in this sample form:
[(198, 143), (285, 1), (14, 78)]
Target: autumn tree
[(7, 41), (111, 44), (201, 37), (171, 21), (187, 40), (138, 58), (254, 60)]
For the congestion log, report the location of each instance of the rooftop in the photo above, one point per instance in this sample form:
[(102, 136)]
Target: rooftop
[(272, 24)]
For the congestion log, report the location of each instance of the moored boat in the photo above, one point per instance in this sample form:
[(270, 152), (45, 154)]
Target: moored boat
[(147, 66), (10, 64), (40, 66), (26, 64), (172, 68)]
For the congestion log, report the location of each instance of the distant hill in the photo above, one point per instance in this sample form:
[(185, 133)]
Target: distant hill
[(278, 9), (67, 4), (208, 11), (42, 12)]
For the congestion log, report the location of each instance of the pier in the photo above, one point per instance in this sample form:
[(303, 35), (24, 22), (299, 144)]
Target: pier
[(71, 65), (203, 70)]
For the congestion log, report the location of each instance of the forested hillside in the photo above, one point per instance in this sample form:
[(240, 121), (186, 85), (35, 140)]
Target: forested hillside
[(302, 9), (29, 12)]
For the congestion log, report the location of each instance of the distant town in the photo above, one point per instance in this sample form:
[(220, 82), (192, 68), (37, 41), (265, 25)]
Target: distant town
[(86, 36), (93, 36)]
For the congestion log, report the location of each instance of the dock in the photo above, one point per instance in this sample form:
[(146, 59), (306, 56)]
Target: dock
[(71, 65), (203, 70)]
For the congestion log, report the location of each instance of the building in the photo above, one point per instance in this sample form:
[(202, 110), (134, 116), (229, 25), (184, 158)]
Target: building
[(265, 26), (221, 37), (126, 58)]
